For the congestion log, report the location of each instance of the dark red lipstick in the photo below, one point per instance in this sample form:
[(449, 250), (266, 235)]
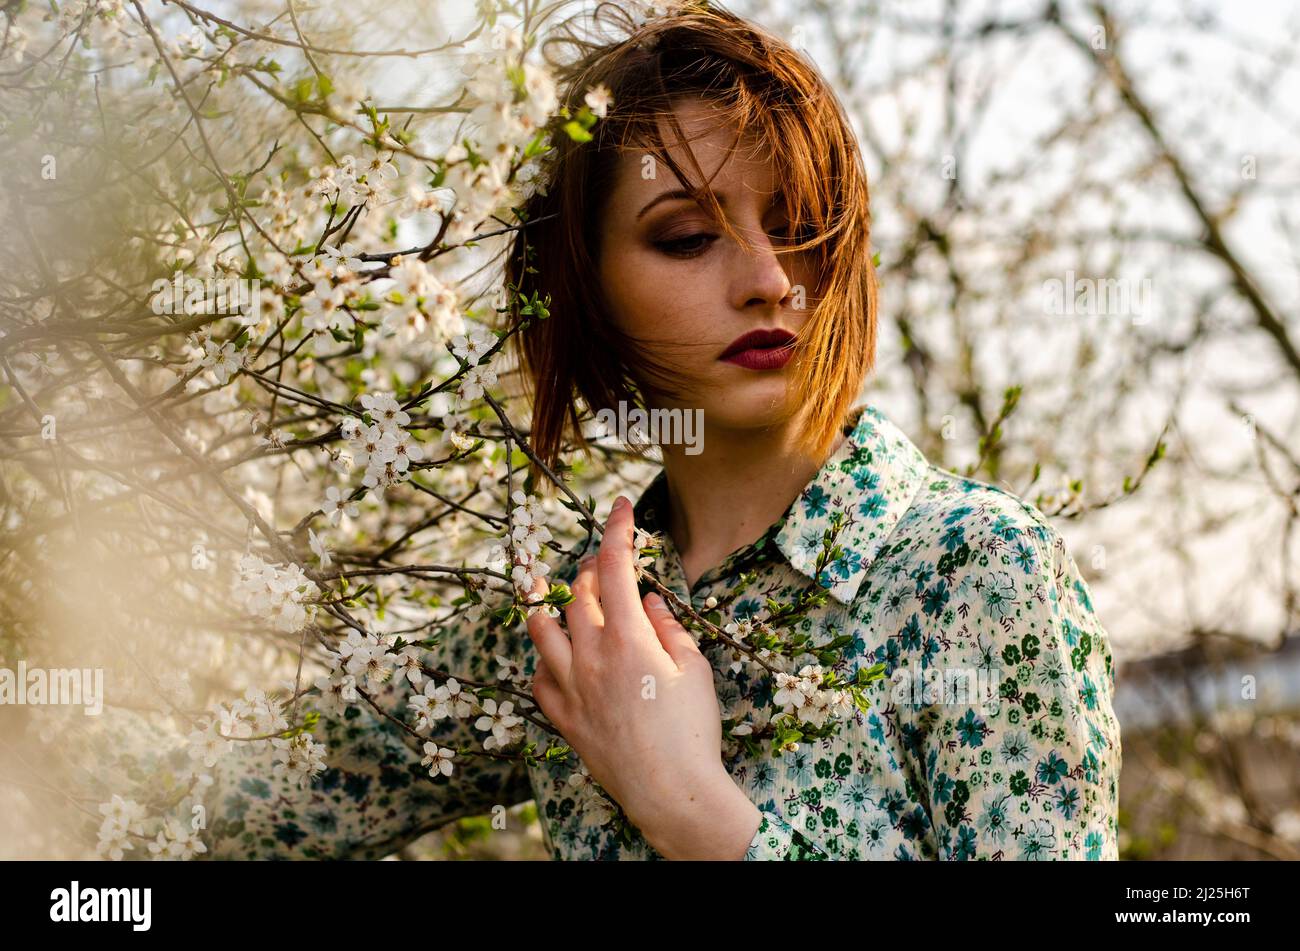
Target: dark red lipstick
[(761, 349)]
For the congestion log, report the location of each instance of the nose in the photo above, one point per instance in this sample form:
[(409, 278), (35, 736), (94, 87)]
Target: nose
[(760, 279)]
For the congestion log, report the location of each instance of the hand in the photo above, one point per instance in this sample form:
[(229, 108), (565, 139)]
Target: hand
[(634, 697)]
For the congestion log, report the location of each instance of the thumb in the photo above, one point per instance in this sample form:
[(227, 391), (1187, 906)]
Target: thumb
[(676, 640)]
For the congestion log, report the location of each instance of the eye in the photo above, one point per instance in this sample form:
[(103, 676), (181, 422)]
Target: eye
[(690, 246), (784, 228), (789, 236)]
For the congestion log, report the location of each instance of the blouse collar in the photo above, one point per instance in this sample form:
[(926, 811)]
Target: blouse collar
[(872, 478)]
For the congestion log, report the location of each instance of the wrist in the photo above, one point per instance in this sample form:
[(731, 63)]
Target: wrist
[(710, 818)]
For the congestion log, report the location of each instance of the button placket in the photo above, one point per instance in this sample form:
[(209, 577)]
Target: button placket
[(668, 566)]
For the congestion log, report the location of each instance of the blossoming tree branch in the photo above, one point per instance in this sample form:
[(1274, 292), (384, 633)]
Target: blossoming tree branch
[(257, 383)]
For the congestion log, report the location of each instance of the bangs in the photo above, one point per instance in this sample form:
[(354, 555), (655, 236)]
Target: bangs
[(765, 111)]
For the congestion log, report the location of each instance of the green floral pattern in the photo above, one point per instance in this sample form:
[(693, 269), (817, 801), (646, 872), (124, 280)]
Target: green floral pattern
[(939, 578)]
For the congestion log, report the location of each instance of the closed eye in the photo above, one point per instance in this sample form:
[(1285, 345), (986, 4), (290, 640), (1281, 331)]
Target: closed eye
[(688, 246)]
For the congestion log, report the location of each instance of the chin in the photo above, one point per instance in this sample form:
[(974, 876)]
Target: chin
[(755, 405)]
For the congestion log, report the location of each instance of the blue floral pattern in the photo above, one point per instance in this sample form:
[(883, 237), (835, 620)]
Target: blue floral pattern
[(945, 580)]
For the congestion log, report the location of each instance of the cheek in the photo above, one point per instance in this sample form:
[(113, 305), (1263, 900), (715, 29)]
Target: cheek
[(659, 298), (806, 273)]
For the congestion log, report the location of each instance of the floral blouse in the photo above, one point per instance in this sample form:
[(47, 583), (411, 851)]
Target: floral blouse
[(991, 736)]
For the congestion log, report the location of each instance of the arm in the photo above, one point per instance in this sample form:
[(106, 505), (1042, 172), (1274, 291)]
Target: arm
[(1034, 773), (373, 797)]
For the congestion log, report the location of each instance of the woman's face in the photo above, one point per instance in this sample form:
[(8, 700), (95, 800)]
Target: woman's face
[(684, 288)]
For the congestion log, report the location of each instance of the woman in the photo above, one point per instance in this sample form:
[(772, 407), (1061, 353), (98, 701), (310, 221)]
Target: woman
[(709, 250), (938, 575)]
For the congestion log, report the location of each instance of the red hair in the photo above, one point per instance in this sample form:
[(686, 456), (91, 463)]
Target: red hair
[(770, 91)]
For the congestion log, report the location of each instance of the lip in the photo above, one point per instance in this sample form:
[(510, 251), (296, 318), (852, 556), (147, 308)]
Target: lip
[(765, 349)]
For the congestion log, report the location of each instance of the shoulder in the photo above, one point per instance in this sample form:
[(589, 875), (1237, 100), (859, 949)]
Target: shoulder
[(978, 556), (964, 527), (951, 506)]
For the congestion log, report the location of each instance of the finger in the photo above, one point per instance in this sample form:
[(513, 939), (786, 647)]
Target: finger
[(553, 646), (615, 560), (584, 613), (676, 640), (547, 691)]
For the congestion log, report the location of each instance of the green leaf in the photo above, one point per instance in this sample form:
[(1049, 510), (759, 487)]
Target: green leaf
[(536, 146), (559, 595), (576, 132)]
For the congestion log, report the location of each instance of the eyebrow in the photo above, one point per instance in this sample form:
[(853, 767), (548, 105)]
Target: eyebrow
[(671, 195), (677, 193)]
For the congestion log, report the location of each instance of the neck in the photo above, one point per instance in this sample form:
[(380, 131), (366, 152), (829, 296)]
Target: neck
[(727, 496)]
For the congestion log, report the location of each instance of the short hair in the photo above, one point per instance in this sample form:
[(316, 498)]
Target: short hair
[(699, 50)]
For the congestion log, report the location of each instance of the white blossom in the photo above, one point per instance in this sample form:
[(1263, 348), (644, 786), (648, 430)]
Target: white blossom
[(594, 808), (337, 505), (338, 691), (347, 256), (475, 381), (126, 814), (176, 841), (278, 593), (472, 347), (208, 745), (437, 759), (299, 758), (509, 670), (374, 446), (385, 410), (598, 100), (501, 721), (408, 664), (318, 548), (322, 309), (802, 696), (440, 702), (113, 842), (366, 658)]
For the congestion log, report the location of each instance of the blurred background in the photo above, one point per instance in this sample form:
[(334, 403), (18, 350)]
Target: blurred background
[(1093, 205), (1149, 149)]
